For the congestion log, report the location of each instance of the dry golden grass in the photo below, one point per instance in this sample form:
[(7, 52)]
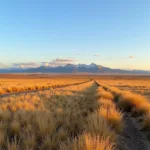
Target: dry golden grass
[(21, 85), (109, 111), (136, 84), (75, 117), (88, 142), (144, 108), (105, 94), (106, 103), (113, 117), (129, 100), (47, 118), (98, 135), (97, 126), (132, 102), (135, 103)]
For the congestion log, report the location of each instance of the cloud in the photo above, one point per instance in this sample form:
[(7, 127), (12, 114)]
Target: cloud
[(96, 55), (131, 57), (2, 65), (52, 63), (25, 65), (64, 60), (58, 62)]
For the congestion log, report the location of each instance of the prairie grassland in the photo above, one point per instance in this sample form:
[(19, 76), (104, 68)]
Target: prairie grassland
[(42, 120), (101, 126), (77, 117), (137, 85), (55, 119), (137, 104), (21, 85), (105, 94), (109, 111), (132, 102), (88, 142)]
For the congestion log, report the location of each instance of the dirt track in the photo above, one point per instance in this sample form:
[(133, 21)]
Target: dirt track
[(132, 138), (29, 91)]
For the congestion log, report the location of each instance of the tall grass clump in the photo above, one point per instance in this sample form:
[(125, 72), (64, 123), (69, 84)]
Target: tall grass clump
[(88, 142), (111, 114), (137, 104), (109, 111), (129, 100), (105, 94), (22, 85), (98, 134), (97, 125), (43, 120), (113, 117)]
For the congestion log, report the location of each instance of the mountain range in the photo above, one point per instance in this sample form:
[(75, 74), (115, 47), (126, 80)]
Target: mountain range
[(73, 68)]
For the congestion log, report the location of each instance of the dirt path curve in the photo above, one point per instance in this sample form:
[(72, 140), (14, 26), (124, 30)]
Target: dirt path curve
[(29, 91), (132, 138)]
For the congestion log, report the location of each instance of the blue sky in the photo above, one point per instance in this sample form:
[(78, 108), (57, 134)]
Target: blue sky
[(106, 32)]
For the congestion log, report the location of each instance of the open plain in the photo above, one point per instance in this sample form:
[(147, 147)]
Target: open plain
[(79, 112)]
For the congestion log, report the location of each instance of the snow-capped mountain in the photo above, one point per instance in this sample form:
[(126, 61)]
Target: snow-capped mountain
[(74, 68)]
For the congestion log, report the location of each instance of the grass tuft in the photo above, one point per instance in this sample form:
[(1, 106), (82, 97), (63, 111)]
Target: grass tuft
[(88, 142)]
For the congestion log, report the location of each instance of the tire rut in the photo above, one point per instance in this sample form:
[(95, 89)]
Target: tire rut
[(131, 138), (30, 91)]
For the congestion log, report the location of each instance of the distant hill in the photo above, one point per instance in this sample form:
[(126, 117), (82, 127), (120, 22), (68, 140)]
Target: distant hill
[(72, 68)]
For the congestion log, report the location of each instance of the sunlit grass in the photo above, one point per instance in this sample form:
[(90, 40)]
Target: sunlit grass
[(136, 104), (47, 118), (21, 85), (109, 111), (113, 117), (105, 94), (73, 117), (88, 142)]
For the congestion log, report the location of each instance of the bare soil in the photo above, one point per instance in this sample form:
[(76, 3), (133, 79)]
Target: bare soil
[(132, 138)]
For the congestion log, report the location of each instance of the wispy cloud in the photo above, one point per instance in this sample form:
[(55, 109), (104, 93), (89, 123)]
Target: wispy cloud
[(131, 57), (2, 65), (52, 63), (58, 62), (96, 55), (64, 60), (25, 65)]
